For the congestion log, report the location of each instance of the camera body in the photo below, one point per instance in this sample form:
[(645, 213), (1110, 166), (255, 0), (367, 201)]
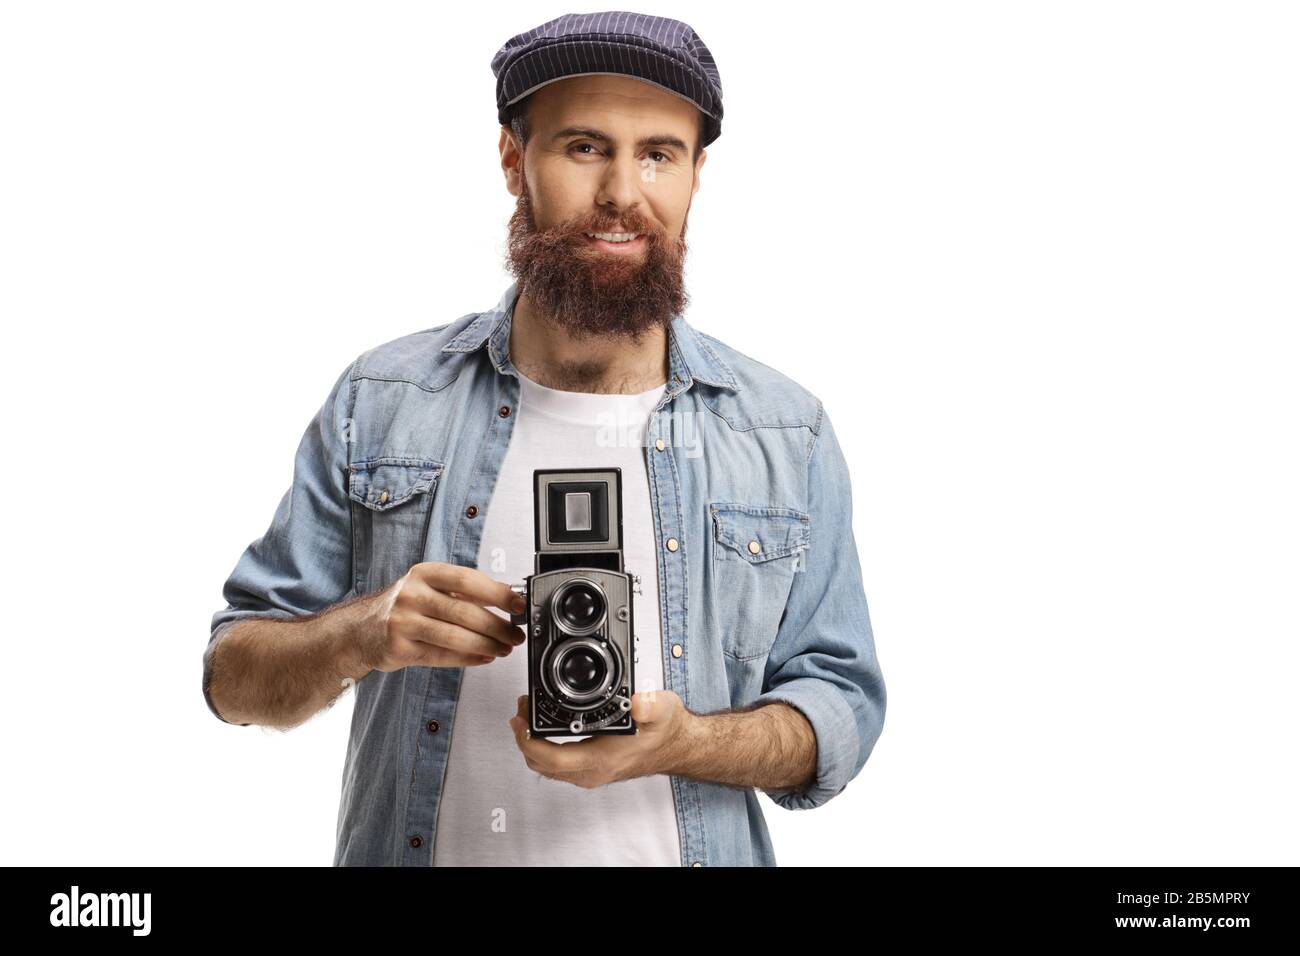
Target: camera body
[(581, 655)]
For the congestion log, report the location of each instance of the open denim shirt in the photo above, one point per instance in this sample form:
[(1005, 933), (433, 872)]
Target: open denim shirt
[(760, 586)]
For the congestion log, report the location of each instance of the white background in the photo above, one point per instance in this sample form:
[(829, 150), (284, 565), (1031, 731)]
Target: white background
[(1039, 260)]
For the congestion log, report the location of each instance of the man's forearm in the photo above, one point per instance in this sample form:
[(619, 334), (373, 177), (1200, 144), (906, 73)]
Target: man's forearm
[(772, 747), (279, 673)]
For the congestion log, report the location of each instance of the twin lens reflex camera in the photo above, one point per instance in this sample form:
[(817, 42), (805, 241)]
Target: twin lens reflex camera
[(578, 617)]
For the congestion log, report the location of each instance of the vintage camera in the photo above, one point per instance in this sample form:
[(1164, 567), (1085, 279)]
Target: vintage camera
[(579, 615)]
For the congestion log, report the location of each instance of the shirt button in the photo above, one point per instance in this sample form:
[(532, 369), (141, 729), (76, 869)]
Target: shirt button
[(677, 650), (433, 726), (672, 544), (504, 411), (659, 444), (383, 497), (417, 841), (754, 547), (697, 863), (471, 511)]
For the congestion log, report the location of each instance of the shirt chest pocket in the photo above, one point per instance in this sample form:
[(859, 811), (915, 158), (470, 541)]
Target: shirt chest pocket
[(392, 504), (757, 550)]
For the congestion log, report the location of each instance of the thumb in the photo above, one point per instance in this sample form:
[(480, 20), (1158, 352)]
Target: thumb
[(648, 706)]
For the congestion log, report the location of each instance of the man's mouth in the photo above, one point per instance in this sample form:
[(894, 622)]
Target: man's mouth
[(617, 241), (614, 236)]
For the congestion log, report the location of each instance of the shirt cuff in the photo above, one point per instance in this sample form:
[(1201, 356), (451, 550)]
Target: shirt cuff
[(836, 731)]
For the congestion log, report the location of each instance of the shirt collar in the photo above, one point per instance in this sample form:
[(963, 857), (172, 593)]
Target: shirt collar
[(690, 358)]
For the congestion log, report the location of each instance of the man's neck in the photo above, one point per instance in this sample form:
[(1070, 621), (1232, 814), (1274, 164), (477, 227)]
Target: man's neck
[(550, 355)]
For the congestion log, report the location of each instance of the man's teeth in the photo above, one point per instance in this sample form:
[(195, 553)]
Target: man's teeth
[(614, 236)]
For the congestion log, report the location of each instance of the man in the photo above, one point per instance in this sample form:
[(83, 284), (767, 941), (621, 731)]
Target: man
[(388, 563)]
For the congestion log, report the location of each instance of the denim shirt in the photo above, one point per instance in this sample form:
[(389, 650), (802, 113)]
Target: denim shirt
[(760, 586)]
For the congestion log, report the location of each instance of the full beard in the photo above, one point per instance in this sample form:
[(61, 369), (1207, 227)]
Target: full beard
[(588, 292)]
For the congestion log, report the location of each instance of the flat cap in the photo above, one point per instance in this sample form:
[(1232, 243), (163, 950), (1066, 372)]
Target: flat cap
[(667, 53)]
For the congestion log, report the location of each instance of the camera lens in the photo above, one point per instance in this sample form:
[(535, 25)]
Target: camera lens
[(582, 670), (579, 607)]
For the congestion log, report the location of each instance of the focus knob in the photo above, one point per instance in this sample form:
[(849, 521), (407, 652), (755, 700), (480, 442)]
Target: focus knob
[(522, 591)]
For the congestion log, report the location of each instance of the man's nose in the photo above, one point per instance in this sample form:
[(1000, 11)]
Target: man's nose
[(620, 187)]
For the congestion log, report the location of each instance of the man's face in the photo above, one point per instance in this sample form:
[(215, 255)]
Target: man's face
[(605, 154)]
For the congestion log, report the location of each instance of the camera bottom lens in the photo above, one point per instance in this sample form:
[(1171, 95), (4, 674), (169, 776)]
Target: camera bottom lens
[(583, 671)]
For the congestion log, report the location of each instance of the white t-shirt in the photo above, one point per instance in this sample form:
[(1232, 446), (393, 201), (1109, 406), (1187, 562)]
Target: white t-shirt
[(494, 810)]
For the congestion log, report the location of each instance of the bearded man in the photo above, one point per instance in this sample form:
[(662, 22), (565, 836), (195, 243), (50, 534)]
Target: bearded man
[(388, 566)]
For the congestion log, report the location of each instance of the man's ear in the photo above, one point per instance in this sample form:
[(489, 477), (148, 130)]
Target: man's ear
[(512, 160), (699, 164)]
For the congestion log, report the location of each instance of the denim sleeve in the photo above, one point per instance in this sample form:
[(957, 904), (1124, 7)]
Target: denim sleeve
[(823, 661), (303, 563)]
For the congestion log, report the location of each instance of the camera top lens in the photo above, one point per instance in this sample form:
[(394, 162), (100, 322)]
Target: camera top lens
[(579, 606)]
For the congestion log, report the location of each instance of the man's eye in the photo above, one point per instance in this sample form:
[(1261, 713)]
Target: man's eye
[(656, 152), (580, 145)]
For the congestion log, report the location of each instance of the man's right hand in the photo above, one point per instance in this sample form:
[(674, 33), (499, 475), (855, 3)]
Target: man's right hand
[(436, 615)]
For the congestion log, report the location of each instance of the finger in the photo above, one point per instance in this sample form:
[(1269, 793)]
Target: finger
[(535, 749), (441, 657), (470, 584), (550, 757), (643, 706), (453, 637), (444, 607)]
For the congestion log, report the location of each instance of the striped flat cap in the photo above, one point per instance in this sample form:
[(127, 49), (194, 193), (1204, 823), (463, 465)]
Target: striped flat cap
[(665, 52)]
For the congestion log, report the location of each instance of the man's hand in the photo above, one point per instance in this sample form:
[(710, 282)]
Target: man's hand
[(436, 615), (662, 726)]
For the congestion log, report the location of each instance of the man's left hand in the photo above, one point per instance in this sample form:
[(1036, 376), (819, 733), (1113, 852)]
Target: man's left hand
[(661, 720)]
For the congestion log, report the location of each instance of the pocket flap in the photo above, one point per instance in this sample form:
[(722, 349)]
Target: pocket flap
[(383, 483), (759, 533)]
